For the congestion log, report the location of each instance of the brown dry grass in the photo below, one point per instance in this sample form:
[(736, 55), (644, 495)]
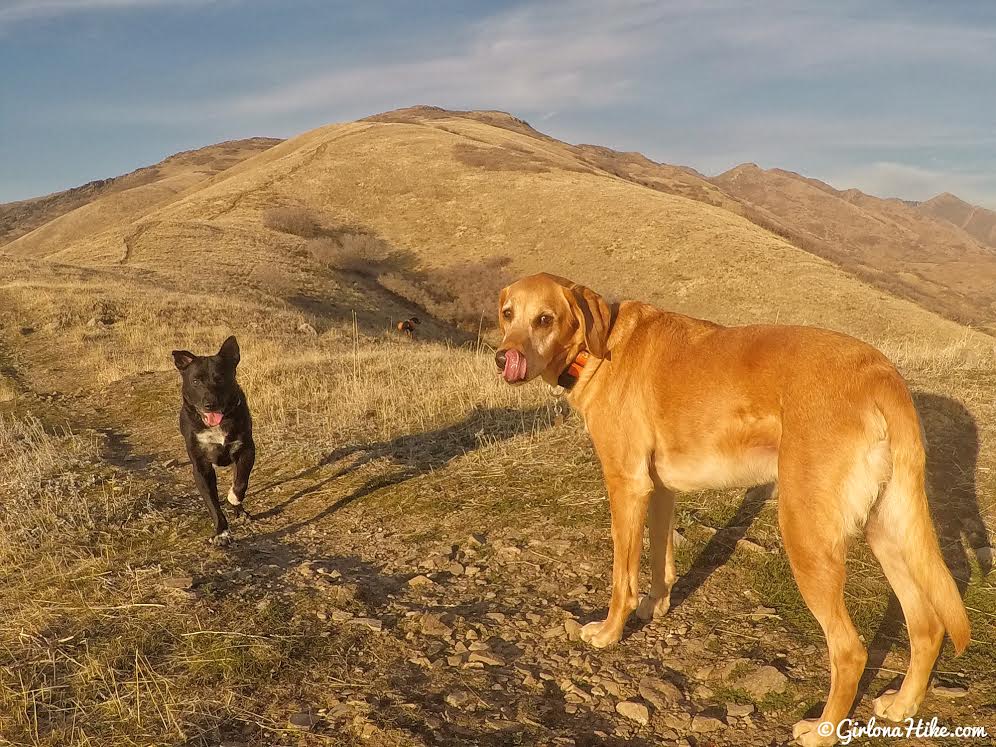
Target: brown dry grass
[(93, 650), (7, 389), (293, 220)]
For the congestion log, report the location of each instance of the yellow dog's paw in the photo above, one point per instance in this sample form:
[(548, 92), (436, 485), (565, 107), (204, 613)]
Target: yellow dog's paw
[(814, 733), (599, 635), (651, 607), (889, 706)]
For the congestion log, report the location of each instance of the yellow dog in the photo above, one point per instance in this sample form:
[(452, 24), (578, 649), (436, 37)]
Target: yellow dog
[(676, 404)]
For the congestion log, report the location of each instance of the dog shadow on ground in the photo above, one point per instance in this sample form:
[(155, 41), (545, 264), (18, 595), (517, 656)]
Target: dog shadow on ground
[(410, 456), (721, 545)]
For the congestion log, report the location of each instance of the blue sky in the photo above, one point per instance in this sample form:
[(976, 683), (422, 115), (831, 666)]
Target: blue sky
[(895, 98)]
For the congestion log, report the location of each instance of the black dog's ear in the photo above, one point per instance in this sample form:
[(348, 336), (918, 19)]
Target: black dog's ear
[(230, 350), (182, 359)]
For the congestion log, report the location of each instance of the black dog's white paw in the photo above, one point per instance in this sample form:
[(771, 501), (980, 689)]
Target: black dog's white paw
[(222, 540)]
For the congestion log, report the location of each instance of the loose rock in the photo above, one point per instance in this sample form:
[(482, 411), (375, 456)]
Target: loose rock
[(763, 681), (634, 711), (432, 624), (658, 692), (459, 698), (367, 622), (487, 660), (736, 710), (573, 628), (305, 720), (746, 544), (706, 724), (950, 691)]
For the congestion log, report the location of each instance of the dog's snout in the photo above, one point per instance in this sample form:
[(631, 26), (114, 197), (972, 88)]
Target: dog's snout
[(500, 359)]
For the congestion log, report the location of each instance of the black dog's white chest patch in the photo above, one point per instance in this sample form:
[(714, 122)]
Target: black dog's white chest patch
[(211, 436), (216, 446)]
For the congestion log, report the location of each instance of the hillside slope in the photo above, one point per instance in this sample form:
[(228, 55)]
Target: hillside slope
[(448, 189), (885, 241), (121, 197)]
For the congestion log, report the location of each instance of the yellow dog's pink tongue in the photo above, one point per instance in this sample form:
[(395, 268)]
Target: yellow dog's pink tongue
[(515, 366), (211, 419)]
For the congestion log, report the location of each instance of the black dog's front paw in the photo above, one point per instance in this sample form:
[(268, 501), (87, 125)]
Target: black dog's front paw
[(222, 539)]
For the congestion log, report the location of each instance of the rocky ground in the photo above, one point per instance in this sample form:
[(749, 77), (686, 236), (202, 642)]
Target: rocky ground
[(374, 601)]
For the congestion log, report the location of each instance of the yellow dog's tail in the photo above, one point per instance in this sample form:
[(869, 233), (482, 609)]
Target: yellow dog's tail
[(903, 511)]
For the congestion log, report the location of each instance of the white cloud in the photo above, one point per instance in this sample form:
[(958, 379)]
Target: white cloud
[(576, 53), (709, 84), (527, 59)]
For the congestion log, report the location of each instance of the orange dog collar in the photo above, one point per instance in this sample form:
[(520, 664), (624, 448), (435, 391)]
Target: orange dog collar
[(570, 376)]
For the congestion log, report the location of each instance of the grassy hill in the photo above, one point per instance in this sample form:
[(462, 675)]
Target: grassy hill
[(99, 204), (446, 190), (427, 538)]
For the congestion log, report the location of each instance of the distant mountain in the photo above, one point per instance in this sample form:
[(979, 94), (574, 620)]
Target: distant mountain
[(976, 221), (906, 249)]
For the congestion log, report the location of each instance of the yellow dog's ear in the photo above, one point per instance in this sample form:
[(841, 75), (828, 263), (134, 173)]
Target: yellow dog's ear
[(594, 316)]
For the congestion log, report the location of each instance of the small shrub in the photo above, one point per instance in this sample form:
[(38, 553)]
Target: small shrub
[(462, 294), (297, 221), (473, 289), (465, 295), (357, 252)]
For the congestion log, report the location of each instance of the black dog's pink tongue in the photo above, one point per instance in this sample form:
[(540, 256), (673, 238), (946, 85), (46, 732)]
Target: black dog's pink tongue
[(211, 419), (515, 366)]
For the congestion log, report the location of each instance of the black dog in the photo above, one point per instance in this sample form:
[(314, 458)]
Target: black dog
[(407, 327), (217, 428)]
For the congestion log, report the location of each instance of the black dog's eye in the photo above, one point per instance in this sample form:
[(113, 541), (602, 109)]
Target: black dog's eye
[(507, 313), (545, 320), (197, 382)]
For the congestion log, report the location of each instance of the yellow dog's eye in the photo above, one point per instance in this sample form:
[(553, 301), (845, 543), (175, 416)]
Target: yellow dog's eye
[(507, 313), (545, 320)]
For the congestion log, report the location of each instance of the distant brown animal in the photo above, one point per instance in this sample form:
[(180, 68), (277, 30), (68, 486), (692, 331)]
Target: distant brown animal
[(677, 404), (407, 327)]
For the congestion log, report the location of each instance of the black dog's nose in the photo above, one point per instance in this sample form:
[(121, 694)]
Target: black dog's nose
[(500, 359)]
